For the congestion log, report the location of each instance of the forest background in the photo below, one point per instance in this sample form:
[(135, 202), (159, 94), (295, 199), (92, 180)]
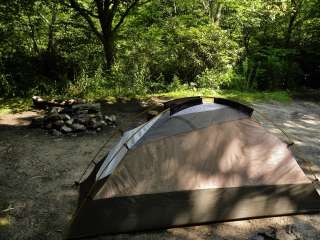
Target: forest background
[(100, 48)]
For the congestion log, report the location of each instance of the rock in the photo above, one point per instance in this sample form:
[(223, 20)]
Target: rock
[(99, 117), (110, 119), (144, 104), (81, 121), (93, 124), (38, 102), (48, 126), (82, 112), (151, 114), (73, 115), (93, 132), (78, 127), (65, 116), (82, 118), (58, 123), (66, 129), (103, 123), (68, 110), (113, 118), (52, 101), (71, 101), (56, 110), (69, 122), (37, 98), (94, 107), (56, 133), (54, 116), (107, 118)]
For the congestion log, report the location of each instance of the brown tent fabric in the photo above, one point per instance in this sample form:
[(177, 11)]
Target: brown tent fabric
[(183, 208), (228, 170), (239, 153)]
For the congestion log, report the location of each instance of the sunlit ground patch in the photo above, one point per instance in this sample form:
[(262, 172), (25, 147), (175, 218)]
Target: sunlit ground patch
[(4, 221)]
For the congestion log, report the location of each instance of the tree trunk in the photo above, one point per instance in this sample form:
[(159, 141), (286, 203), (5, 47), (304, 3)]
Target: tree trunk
[(105, 11), (32, 35), (218, 13), (211, 9), (50, 46), (290, 29), (293, 15), (174, 7), (108, 52)]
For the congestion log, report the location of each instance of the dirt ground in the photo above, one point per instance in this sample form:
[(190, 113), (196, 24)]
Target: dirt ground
[(37, 172)]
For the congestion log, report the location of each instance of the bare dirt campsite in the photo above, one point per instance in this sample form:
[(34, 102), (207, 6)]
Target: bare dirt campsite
[(75, 72), (37, 172)]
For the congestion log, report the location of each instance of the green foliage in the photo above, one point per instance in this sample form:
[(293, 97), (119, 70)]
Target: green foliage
[(177, 84), (216, 79), (202, 48), (246, 96), (14, 105), (50, 48)]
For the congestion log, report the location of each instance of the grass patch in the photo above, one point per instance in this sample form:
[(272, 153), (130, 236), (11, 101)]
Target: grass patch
[(15, 105), (279, 96)]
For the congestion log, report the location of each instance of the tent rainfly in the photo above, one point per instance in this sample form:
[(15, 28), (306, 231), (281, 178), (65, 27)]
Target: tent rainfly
[(193, 163)]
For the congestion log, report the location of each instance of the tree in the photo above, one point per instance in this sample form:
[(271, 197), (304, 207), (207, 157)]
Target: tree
[(67, 46), (110, 15), (214, 9), (295, 6)]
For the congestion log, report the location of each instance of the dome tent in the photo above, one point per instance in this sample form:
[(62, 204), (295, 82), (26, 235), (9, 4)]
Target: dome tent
[(193, 163)]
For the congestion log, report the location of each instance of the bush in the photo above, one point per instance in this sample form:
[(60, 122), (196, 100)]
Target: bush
[(24, 75), (271, 68), (171, 55), (216, 80)]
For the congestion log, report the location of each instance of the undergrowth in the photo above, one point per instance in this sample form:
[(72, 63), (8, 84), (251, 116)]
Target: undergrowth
[(15, 105)]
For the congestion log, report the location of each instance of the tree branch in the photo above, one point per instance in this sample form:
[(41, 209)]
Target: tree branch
[(84, 13), (91, 14), (123, 16), (114, 7), (104, 16), (73, 24)]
